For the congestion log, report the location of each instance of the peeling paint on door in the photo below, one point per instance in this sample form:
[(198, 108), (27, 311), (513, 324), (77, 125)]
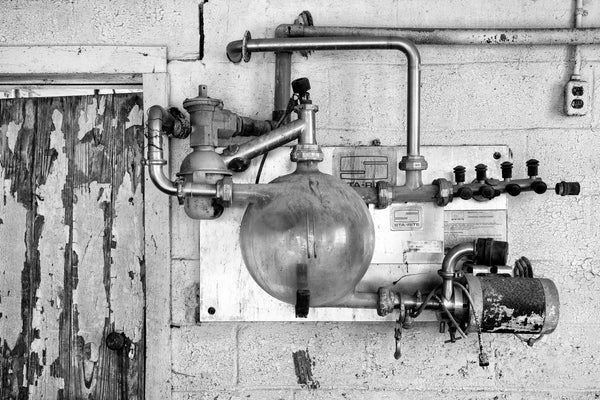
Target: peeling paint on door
[(71, 237)]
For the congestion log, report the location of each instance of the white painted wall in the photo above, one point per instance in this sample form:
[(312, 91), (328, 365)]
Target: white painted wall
[(471, 95)]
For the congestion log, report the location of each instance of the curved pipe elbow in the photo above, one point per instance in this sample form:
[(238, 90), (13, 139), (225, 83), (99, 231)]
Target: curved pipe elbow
[(155, 158), (449, 265), (161, 181)]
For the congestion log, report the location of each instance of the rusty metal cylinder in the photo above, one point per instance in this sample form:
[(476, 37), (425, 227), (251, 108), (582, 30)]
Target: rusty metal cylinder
[(513, 305)]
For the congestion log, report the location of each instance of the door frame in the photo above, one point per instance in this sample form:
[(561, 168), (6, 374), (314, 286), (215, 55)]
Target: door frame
[(118, 66)]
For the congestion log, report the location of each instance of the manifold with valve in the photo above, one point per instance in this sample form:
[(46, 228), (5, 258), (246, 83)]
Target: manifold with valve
[(307, 238)]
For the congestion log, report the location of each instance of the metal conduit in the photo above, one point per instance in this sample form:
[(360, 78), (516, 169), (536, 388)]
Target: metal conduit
[(242, 49), (522, 37)]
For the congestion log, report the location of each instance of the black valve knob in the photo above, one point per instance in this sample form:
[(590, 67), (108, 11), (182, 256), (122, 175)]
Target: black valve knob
[(539, 187), (459, 174), (567, 188), (487, 192), (301, 86), (481, 171), (507, 167), (532, 167), (513, 189), (465, 193)]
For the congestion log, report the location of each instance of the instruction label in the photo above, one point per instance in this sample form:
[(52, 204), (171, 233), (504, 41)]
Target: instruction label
[(406, 218), (426, 246), (465, 225)]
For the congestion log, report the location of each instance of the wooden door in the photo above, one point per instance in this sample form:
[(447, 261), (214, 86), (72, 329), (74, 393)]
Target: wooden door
[(72, 248)]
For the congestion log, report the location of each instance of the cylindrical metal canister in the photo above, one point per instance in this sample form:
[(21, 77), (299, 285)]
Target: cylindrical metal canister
[(513, 305)]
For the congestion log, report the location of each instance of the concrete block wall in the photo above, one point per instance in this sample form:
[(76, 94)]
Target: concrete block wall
[(471, 95)]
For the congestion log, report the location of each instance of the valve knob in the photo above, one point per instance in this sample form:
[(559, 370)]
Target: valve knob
[(459, 174), (532, 167), (465, 193), (539, 187), (481, 171), (513, 189), (506, 169), (301, 86), (487, 192)]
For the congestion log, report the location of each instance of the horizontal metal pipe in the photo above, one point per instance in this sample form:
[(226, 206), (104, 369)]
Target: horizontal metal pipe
[(234, 53), (356, 300), (523, 37), (269, 141), (400, 194)]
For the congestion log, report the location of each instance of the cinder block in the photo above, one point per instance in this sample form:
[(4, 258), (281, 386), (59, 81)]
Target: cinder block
[(241, 394), (142, 23), (204, 357), (565, 360), (336, 352), (185, 292)]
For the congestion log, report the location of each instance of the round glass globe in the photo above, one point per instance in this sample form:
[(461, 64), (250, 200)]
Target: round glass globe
[(316, 233)]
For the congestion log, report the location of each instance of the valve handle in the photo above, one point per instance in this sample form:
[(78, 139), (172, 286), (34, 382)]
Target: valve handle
[(459, 174), (301, 86), (481, 172), (532, 167), (506, 167)]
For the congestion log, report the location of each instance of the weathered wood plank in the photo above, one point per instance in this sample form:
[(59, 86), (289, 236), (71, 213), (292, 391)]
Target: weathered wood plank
[(21, 60), (13, 218)]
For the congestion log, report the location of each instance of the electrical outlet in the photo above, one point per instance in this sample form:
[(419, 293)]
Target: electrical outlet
[(577, 97)]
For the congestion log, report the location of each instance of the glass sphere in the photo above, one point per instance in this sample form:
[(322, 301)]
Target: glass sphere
[(316, 233)]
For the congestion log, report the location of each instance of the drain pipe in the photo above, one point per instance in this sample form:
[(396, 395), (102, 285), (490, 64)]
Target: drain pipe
[(413, 162)]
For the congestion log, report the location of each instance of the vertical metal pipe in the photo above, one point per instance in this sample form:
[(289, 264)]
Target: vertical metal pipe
[(283, 79), (309, 134)]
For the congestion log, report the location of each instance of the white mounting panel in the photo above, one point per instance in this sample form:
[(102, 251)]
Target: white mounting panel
[(410, 237)]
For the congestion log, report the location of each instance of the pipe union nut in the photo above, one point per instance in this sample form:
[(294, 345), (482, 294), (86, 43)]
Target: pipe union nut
[(413, 163), (445, 192), (384, 195), (225, 191), (306, 152), (387, 301)]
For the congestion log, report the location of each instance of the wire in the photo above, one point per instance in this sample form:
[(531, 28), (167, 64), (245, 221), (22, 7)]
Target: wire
[(288, 111), (477, 324), (418, 311)]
